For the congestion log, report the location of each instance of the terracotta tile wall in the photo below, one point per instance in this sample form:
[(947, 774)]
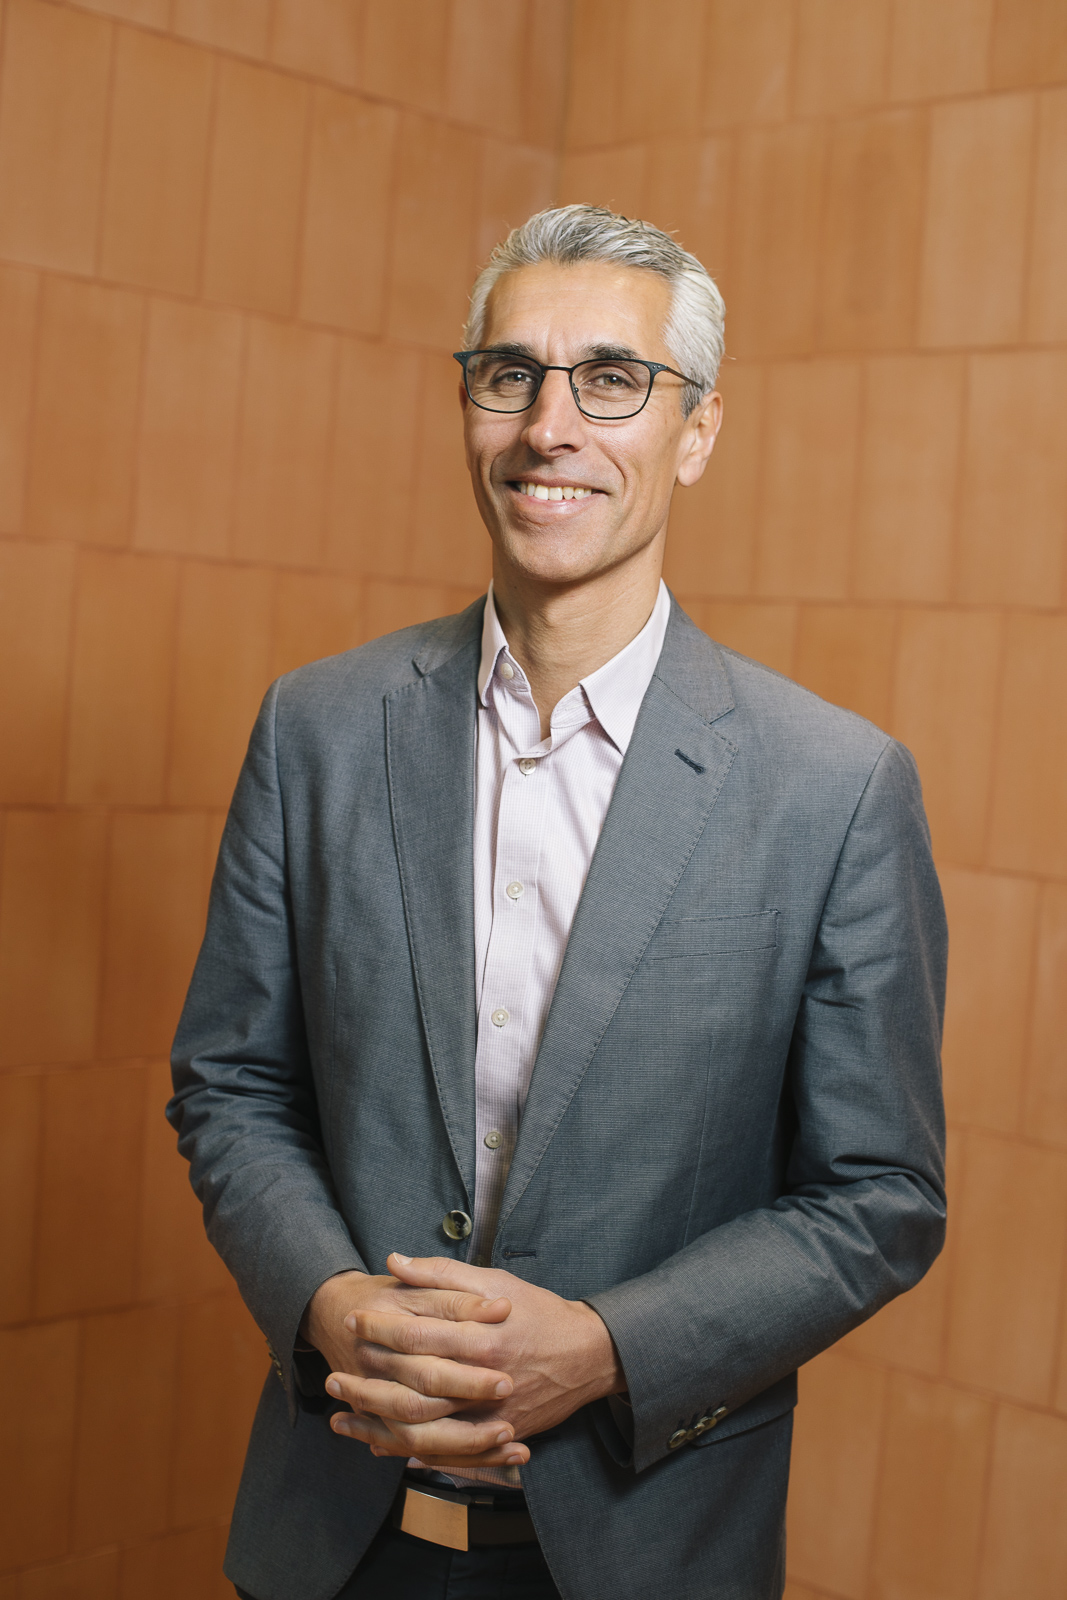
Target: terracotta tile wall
[(881, 187), (235, 239), (235, 242)]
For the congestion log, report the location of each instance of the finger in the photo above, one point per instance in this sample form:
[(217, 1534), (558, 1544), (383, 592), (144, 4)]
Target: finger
[(390, 1400), (451, 1305), (512, 1455), (470, 1342), (448, 1436), (433, 1376), (438, 1272)]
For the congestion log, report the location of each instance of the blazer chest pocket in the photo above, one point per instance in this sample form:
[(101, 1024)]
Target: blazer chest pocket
[(714, 936)]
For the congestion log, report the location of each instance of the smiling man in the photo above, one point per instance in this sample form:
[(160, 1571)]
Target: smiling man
[(560, 1070)]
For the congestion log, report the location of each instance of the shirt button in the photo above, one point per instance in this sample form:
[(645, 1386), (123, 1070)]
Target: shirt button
[(499, 1017), (493, 1140), (526, 765), (506, 669), (513, 890)]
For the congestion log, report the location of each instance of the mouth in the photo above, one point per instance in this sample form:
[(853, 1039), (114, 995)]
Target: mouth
[(553, 491)]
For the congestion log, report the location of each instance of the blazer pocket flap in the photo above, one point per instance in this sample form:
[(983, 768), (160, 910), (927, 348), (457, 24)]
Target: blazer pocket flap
[(715, 936)]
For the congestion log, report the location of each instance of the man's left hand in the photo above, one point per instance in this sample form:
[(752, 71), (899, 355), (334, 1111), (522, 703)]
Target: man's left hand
[(558, 1354)]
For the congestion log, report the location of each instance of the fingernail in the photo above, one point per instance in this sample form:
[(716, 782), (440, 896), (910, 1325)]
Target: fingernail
[(503, 1438), (405, 1261), (350, 1323), (333, 1387), (487, 1303), (514, 1461), (503, 1387)]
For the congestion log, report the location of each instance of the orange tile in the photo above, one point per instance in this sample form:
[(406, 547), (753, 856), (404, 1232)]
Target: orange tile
[(992, 928), (595, 55), (939, 50), (152, 13), (241, 25), (188, 429), (284, 444), (51, 905), (92, 1577), (871, 231), (976, 221), (174, 1259), (90, 1183), (223, 672), (1030, 781), (156, 162), (53, 110), (125, 1424), (82, 449), (711, 542), (405, 52), (842, 55), (1015, 478), (1025, 1548), (1029, 43), (221, 1367), (944, 709), (516, 181), (548, 41), (388, 606), (909, 465), (256, 172), (487, 62), (20, 1137), (177, 1566), (748, 56), (929, 1514), (18, 324), (372, 466), (315, 615), (156, 907), (1005, 1294), (687, 191), (762, 630), (800, 1591), (1046, 305), (1045, 1115), (613, 178), (809, 473), (449, 542), (909, 1333), (833, 1479), (36, 601), (434, 215), (660, 87), (121, 678), (346, 217), (318, 36), (775, 239), (845, 654), (37, 1432)]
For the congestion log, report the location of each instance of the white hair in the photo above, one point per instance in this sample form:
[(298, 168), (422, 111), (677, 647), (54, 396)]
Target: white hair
[(569, 234)]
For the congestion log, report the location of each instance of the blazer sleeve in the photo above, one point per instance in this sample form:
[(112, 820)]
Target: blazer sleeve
[(244, 1104), (862, 1214)]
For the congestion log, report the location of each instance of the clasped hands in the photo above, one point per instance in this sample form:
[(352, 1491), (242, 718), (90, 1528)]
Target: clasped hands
[(456, 1364)]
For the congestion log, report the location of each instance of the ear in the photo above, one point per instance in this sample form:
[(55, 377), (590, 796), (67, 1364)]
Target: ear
[(698, 439)]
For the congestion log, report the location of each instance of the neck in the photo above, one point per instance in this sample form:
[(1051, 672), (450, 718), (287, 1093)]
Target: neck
[(561, 634)]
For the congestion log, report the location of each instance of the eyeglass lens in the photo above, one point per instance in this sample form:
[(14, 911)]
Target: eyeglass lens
[(604, 388)]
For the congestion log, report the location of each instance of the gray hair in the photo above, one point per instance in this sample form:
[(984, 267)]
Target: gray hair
[(569, 234)]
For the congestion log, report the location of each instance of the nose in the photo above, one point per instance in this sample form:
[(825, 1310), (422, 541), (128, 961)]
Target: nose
[(554, 422)]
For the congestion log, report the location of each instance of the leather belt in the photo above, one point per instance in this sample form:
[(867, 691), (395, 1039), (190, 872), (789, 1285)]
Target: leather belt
[(459, 1519)]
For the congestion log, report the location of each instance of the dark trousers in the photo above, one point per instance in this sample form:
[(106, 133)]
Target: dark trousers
[(399, 1567)]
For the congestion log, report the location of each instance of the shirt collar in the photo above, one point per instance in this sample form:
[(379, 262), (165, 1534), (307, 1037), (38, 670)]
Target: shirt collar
[(615, 690)]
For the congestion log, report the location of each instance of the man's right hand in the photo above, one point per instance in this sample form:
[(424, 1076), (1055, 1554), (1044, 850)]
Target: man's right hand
[(420, 1388)]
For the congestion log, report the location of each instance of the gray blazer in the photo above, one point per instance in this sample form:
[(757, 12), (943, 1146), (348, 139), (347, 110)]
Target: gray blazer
[(732, 1146)]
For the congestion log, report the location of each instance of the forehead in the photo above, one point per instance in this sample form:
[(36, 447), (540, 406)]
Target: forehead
[(568, 309)]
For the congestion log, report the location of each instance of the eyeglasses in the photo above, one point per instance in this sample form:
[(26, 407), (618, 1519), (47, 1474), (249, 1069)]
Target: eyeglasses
[(606, 390)]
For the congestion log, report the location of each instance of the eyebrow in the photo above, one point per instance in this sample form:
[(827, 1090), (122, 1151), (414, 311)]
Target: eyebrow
[(593, 352)]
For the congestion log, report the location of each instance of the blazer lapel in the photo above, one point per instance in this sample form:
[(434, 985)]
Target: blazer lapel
[(431, 730), (674, 769)]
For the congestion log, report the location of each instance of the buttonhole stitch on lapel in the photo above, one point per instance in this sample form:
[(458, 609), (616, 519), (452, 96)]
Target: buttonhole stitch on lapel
[(689, 761), (510, 1255)]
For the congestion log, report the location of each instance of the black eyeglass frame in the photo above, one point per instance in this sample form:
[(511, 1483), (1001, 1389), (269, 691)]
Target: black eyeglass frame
[(654, 369)]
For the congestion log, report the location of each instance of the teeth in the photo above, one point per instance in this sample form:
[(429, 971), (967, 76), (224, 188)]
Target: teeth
[(540, 491)]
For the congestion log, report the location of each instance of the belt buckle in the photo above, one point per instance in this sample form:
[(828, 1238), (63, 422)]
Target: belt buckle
[(427, 1516)]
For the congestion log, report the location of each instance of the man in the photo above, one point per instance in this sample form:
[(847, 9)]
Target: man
[(560, 1069)]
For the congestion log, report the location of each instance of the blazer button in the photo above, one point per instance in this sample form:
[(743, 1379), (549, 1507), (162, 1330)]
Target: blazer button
[(677, 1438), (457, 1224)]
